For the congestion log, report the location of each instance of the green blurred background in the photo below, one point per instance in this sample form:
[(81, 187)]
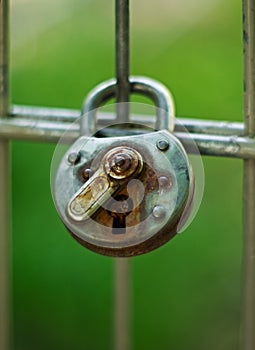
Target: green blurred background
[(186, 295)]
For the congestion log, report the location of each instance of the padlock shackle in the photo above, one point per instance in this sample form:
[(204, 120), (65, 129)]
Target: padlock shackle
[(150, 88)]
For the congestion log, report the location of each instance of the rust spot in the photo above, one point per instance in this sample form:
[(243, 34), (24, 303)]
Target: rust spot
[(149, 180)]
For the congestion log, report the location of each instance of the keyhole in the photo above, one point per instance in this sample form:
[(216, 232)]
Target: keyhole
[(120, 208), (119, 224)]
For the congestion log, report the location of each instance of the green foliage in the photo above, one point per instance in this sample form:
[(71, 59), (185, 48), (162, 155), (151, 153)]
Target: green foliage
[(186, 295)]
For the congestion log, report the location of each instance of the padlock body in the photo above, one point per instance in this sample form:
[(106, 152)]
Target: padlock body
[(135, 214)]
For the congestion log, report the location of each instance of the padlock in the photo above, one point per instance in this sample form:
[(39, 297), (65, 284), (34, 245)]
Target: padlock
[(125, 195)]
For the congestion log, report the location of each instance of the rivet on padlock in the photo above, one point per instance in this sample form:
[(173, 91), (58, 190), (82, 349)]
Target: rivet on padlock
[(125, 196)]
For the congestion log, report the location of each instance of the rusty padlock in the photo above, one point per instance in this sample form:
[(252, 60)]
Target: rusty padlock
[(125, 195)]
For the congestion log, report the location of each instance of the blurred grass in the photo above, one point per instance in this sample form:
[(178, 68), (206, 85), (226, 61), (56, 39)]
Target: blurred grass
[(186, 294)]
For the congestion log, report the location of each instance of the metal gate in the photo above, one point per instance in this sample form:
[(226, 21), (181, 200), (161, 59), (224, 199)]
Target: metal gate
[(215, 138)]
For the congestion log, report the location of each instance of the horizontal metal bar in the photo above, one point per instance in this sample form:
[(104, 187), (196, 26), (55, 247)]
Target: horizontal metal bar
[(45, 113), (199, 126), (220, 146), (211, 145), (37, 130), (49, 124)]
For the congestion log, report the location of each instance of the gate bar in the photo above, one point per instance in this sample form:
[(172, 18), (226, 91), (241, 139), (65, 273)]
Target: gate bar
[(63, 115), (122, 304), (122, 59), (227, 144), (248, 336), (122, 266), (5, 319), (230, 143)]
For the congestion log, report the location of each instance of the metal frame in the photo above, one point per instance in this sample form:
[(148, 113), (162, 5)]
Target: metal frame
[(5, 313), (248, 340), (214, 138)]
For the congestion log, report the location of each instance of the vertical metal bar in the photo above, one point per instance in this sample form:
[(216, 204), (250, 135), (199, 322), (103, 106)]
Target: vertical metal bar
[(4, 248), (122, 304), (248, 340), (4, 181), (122, 266), (122, 59)]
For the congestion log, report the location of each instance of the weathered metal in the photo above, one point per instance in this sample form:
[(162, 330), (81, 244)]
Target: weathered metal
[(60, 115), (213, 138), (248, 341), (217, 138), (122, 320), (122, 59), (5, 271), (96, 211), (140, 85), (86, 208), (123, 304)]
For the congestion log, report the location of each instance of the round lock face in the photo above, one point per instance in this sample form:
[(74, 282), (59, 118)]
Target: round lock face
[(124, 196)]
